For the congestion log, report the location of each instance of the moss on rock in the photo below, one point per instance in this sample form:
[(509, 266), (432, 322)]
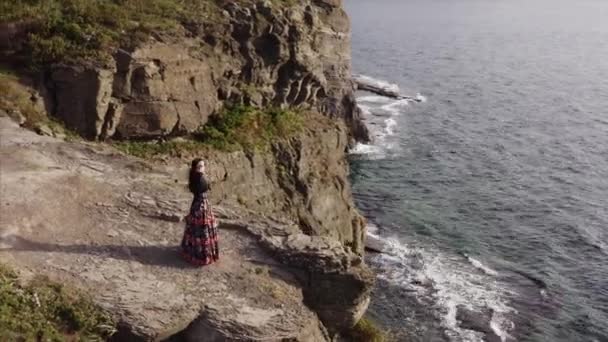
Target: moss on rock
[(234, 129), (367, 330), (249, 128)]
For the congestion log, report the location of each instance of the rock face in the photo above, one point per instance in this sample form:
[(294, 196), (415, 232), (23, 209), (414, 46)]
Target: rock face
[(259, 53), (325, 267), (162, 90), (304, 179), (85, 114)]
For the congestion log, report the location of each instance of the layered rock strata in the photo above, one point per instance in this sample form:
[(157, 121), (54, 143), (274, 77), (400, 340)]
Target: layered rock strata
[(258, 53)]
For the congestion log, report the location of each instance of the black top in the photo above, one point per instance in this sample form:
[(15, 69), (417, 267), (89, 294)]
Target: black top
[(200, 186)]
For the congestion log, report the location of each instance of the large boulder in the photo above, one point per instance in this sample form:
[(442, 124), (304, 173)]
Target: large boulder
[(164, 89), (336, 283), (82, 97)]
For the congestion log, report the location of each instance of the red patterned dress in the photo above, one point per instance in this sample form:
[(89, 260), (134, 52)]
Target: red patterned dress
[(200, 241)]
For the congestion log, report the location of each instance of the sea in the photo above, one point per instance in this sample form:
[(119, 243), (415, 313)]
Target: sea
[(486, 191)]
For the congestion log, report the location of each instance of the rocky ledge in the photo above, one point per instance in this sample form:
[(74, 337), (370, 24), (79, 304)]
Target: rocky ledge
[(84, 214)]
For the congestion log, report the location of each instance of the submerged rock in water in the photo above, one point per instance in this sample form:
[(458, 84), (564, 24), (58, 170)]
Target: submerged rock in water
[(381, 88), (477, 321)]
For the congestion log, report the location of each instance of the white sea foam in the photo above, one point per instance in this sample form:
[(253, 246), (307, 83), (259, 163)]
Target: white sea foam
[(395, 107), (376, 82), (390, 126), (371, 228), (378, 112), (381, 126), (501, 326), (477, 264), (372, 151), (374, 99), (448, 281), (420, 97), (365, 110)]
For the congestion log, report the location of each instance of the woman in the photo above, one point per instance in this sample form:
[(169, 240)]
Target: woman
[(200, 242)]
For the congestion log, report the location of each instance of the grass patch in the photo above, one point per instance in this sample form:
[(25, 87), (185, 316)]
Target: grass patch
[(59, 130), (243, 127), (236, 129), (16, 97), (367, 331), (46, 311), (76, 30)]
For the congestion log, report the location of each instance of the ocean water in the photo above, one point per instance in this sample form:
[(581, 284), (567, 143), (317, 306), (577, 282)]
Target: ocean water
[(490, 195)]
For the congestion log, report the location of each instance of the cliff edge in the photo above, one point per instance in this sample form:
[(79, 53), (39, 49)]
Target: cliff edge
[(84, 213)]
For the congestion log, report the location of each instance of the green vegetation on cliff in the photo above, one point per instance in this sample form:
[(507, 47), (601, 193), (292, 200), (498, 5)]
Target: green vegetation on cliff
[(46, 311), (246, 127), (14, 97), (16, 101), (366, 331), (76, 30), (90, 30), (236, 128)]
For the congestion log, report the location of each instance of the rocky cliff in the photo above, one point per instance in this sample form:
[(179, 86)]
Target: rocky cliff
[(303, 178), (261, 53), (84, 214), (293, 240)]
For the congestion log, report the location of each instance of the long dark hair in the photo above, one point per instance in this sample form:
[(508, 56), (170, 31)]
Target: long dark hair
[(195, 177)]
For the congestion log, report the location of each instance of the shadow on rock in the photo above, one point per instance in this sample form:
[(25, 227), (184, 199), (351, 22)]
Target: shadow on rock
[(165, 256)]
